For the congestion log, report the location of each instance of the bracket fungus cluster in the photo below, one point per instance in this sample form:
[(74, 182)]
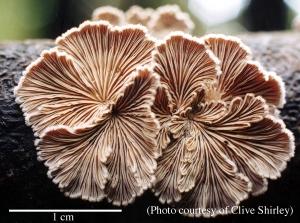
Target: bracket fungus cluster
[(220, 138), (116, 113), (160, 22)]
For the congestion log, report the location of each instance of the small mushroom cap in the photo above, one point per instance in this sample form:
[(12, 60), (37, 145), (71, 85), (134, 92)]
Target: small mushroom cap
[(170, 18), (110, 14), (138, 15), (89, 100), (240, 74)]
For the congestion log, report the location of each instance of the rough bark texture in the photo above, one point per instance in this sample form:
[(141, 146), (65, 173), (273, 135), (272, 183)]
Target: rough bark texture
[(23, 180)]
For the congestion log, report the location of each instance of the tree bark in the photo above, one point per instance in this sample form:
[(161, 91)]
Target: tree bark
[(23, 180)]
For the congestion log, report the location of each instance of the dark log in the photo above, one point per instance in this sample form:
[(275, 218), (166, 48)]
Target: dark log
[(23, 180)]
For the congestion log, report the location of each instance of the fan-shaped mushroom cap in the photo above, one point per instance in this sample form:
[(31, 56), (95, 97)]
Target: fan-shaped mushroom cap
[(169, 18), (194, 65), (219, 141), (240, 74), (89, 99), (110, 14), (138, 15), (74, 82)]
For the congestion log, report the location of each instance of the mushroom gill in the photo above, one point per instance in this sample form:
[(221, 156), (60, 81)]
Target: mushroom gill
[(89, 101), (219, 139)]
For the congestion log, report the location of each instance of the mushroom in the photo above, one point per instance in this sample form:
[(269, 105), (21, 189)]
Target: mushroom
[(169, 18), (138, 15), (160, 22), (110, 14), (218, 139), (89, 101)]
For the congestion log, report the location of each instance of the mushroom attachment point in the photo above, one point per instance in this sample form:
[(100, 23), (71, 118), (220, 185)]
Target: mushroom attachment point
[(219, 138), (89, 101)]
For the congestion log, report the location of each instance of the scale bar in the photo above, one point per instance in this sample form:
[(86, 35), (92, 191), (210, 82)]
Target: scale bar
[(62, 210)]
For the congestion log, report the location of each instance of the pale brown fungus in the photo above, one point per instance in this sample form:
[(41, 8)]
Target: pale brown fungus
[(160, 22), (110, 14), (218, 139), (169, 18), (138, 15), (89, 100)]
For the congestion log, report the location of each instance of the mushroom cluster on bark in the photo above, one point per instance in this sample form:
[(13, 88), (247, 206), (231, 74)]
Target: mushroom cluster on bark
[(116, 112), (160, 22), (220, 136)]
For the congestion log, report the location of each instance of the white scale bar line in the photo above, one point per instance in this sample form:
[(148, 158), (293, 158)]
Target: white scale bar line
[(64, 210)]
